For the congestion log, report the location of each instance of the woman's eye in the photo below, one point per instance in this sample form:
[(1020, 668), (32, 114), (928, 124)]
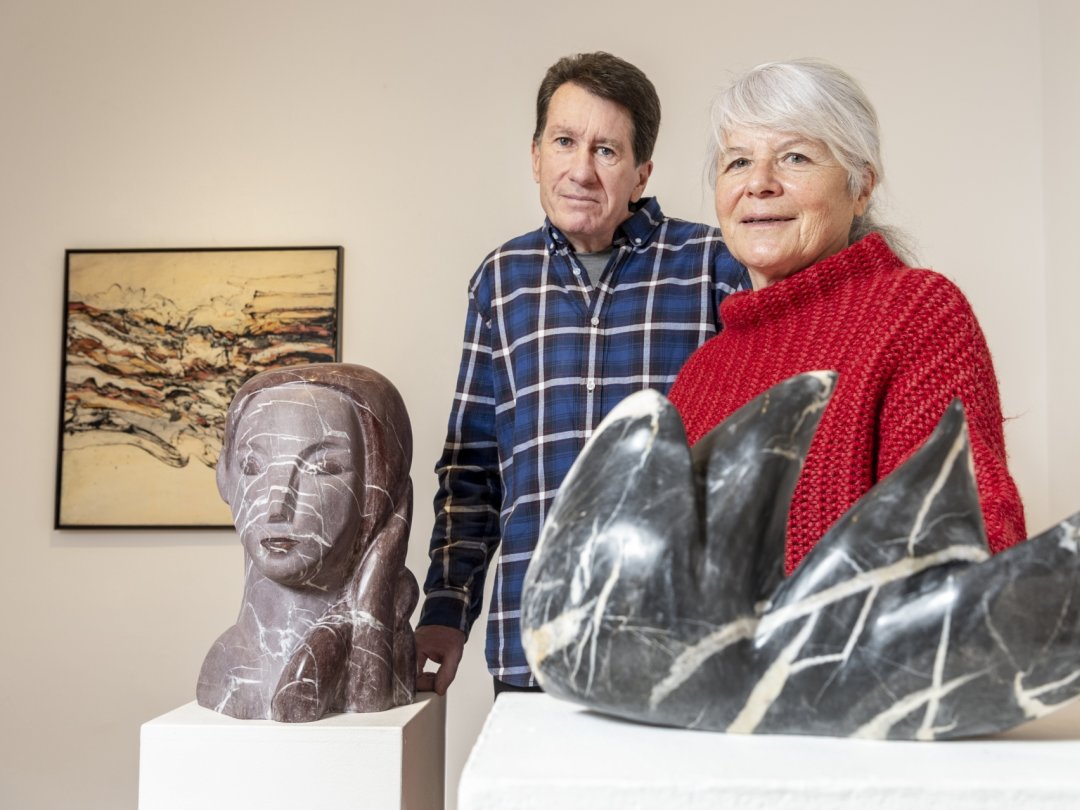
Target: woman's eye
[(738, 163), (796, 158)]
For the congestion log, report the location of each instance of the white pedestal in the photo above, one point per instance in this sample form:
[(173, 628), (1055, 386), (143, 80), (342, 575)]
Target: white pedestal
[(193, 758), (538, 753)]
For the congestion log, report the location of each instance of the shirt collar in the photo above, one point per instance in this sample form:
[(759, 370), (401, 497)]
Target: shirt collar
[(636, 230)]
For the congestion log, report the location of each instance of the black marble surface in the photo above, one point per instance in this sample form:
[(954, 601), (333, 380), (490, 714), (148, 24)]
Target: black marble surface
[(656, 592)]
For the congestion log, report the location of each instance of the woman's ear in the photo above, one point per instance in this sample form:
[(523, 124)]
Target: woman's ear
[(862, 199)]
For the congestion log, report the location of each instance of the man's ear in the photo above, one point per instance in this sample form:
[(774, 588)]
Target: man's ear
[(535, 162), (644, 172)]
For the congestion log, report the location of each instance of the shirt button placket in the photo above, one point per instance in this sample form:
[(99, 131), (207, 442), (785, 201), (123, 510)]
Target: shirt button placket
[(594, 338)]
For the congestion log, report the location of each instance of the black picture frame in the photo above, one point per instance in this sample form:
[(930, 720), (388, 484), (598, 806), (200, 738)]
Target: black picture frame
[(156, 341)]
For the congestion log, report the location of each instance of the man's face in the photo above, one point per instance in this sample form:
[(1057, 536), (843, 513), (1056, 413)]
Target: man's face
[(584, 163)]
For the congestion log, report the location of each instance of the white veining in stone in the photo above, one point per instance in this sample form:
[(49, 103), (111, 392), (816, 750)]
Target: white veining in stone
[(657, 594), (690, 660)]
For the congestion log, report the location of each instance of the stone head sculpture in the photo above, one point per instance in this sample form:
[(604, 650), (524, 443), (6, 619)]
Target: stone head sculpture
[(315, 467)]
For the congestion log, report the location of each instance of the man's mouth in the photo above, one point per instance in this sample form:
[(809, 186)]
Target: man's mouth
[(279, 545)]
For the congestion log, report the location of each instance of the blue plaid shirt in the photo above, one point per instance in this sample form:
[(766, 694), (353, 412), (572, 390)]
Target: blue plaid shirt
[(546, 357)]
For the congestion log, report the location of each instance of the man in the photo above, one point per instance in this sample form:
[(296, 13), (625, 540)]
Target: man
[(607, 298)]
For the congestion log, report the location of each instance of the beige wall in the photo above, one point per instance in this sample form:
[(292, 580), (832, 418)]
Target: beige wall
[(401, 131), (1061, 198)]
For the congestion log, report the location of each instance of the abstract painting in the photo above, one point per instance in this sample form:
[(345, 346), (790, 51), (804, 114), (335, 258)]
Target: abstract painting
[(156, 342)]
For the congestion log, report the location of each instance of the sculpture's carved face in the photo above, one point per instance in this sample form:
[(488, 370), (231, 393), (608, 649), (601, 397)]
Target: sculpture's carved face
[(294, 484)]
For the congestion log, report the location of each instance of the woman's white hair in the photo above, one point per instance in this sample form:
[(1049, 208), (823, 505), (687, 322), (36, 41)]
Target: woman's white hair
[(817, 100)]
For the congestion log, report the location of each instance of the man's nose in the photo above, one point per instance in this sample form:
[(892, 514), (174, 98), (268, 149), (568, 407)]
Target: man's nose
[(583, 167)]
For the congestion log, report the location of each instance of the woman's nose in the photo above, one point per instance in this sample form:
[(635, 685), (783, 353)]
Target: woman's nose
[(763, 179)]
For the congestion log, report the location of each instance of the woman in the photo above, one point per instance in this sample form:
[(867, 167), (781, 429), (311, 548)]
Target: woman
[(315, 465), (797, 159)]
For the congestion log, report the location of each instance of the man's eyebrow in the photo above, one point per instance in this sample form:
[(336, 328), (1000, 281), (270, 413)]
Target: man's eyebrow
[(559, 130), (562, 129)]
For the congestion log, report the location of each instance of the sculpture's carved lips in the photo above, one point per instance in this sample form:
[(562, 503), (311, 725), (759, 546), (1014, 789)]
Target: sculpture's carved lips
[(279, 544)]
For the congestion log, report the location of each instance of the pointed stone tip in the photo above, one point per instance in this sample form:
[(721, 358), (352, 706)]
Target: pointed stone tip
[(825, 377), (953, 421), (645, 403)]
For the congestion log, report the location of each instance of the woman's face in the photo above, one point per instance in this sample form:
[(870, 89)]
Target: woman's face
[(295, 484), (782, 201)]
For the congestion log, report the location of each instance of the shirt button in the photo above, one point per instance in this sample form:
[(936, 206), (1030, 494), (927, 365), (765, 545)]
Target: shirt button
[(577, 272), (637, 241), (595, 321), (591, 384)]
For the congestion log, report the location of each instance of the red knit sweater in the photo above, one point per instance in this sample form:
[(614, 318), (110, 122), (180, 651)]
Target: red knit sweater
[(905, 343)]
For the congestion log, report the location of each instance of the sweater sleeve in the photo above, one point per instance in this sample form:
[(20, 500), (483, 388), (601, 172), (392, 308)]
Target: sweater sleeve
[(945, 357)]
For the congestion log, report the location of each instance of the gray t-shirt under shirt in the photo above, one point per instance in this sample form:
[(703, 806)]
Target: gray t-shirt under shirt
[(594, 264)]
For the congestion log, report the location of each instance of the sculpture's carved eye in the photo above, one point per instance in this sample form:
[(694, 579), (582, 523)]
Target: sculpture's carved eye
[(251, 464), (324, 465), (331, 466)]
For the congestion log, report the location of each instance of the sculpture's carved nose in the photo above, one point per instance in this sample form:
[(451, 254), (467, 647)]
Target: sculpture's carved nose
[(281, 495)]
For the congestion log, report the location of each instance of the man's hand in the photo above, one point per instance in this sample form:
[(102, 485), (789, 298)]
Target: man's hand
[(444, 646)]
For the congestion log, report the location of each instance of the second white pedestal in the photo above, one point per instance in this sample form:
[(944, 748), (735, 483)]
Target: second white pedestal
[(538, 753)]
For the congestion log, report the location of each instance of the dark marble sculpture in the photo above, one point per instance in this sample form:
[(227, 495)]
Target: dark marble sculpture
[(315, 466), (657, 592)]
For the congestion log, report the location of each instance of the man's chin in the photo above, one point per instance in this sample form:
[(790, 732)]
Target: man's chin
[(586, 234)]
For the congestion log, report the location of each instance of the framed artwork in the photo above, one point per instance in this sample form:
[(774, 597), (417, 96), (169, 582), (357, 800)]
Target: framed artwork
[(156, 342)]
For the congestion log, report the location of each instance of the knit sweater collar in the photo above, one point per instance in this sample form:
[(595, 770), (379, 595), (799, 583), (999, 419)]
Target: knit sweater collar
[(866, 258)]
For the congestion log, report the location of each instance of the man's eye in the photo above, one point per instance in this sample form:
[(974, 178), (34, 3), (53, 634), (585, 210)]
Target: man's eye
[(605, 151), (251, 465), (564, 142)]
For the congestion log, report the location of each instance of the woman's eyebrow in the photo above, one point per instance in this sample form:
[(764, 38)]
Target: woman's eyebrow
[(795, 140)]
